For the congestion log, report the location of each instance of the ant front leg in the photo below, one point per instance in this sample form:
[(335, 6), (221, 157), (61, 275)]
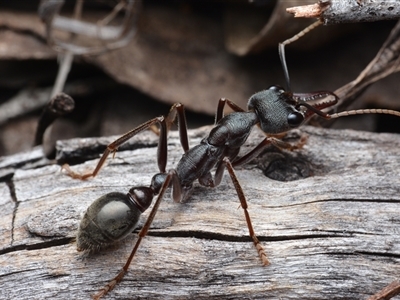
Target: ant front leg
[(264, 143), (243, 204), (112, 148)]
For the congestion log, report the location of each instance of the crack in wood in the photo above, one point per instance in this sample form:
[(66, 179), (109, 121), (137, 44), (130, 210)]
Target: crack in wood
[(349, 232), (38, 246), (11, 187), (238, 238), (391, 255), (90, 151)]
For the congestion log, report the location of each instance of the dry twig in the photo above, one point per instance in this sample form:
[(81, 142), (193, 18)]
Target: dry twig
[(386, 62), (59, 105), (348, 11), (110, 36), (105, 37)]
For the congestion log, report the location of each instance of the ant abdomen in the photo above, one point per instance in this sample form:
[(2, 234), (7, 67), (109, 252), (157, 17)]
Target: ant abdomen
[(108, 219)]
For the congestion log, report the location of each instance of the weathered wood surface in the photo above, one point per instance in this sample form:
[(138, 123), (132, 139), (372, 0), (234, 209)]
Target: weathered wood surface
[(333, 235)]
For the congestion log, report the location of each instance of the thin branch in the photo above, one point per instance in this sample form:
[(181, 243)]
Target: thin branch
[(58, 99), (67, 59), (107, 37), (348, 11), (30, 99), (65, 66), (386, 62), (59, 105)]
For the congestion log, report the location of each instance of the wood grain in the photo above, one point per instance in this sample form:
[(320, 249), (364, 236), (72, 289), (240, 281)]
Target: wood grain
[(332, 235)]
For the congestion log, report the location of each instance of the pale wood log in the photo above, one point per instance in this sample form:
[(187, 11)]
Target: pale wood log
[(333, 235)]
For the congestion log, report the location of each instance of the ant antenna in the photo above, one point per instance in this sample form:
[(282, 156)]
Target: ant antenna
[(281, 49), (364, 111)]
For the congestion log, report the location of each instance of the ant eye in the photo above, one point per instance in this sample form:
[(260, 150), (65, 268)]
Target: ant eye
[(295, 119), (277, 88)]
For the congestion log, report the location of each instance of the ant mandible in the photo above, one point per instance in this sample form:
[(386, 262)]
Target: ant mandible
[(275, 110)]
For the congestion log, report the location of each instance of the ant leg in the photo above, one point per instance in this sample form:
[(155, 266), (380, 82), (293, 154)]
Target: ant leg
[(176, 109), (288, 146), (112, 148), (243, 203), (264, 143), (172, 176), (253, 153), (219, 172), (220, 110)]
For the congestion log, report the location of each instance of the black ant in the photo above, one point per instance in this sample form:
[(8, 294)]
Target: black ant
[(275, 110)]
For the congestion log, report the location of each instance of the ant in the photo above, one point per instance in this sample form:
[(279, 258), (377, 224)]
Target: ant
[(275, 110)]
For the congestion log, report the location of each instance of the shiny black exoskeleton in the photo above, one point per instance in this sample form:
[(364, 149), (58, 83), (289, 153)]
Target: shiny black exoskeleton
[(114, 215)]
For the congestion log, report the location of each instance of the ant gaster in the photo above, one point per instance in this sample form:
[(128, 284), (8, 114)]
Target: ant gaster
[(275, 110)]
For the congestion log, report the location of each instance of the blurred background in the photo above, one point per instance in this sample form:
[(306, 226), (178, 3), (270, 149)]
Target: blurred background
[(187, 51)]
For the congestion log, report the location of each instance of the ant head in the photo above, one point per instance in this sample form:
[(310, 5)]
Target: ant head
[(279, 111), (276, 110)]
